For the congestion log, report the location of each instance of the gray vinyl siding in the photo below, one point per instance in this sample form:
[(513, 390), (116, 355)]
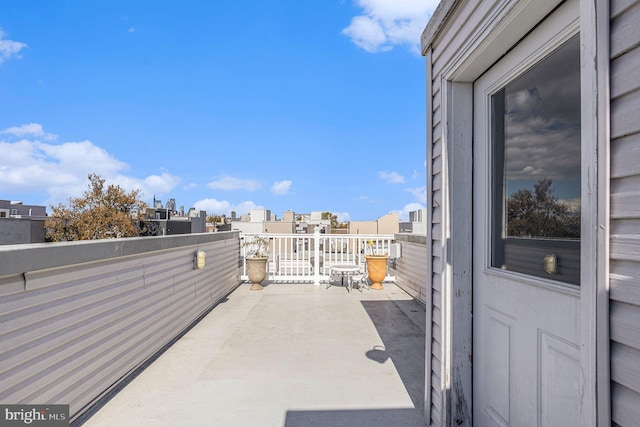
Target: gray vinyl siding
[(465, 19), (410, 268), (72, 332), (434, 202), (625, 213)]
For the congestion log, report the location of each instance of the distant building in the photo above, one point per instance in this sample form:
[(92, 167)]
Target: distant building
[(386, 224), (19, 210), (223, 225), (20, 223), (169, 221), (157, 204), (308, 223), (287, 225), (171, 205), (253, 222), (260, 221), (406, 227), (317, 222), (417, 223)]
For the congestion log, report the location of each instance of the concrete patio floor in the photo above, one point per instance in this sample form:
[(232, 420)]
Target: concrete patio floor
[(290, 355)]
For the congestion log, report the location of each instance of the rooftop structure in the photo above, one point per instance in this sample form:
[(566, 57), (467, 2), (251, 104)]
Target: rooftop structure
[(17, 209), (20, 223), (82, 318)]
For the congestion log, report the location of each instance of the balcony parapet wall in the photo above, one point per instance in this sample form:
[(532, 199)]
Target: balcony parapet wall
[(410, 269), (39, 256), (78, 317)]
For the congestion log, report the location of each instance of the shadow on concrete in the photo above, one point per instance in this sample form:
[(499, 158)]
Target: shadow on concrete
[(400, 325), (403, 342), (356, 418)]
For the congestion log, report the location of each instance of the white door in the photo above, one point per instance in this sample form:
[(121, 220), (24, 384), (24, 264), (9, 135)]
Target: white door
[(527, 192)]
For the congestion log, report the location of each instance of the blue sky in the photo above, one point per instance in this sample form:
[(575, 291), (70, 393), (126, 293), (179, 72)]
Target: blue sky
[(238, 105)]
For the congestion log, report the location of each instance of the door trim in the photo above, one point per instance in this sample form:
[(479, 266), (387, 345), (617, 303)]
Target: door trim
[(595, 79)]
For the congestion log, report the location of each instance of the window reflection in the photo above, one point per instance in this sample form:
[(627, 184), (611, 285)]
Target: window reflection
[(536, 167)]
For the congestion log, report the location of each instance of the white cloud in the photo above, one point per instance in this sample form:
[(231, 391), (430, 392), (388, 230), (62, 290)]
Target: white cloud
[(244, 207), (80, 157), (213, 206), (388, 23), (61, 170), (218, 207), (9, 49), (368, 34), (403, 214), (31, 129), (190, 186), (366, 199), (153, 184), (342, 216), (420, 193), (392, 177), (281, 188), (229, 183)]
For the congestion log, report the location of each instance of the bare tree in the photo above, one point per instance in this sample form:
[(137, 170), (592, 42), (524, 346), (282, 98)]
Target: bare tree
[(541, 214)]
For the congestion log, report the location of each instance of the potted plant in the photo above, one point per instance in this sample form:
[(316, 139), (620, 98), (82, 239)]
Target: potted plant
[(256, 257), (376, 267)]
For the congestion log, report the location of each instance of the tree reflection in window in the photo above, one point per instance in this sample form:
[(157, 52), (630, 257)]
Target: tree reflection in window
[(539, 213)]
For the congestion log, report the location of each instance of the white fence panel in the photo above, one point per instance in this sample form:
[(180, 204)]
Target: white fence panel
[(303, 258)]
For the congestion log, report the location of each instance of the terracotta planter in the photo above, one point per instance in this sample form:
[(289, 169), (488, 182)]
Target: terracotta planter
[(257, 271), (377, 269)]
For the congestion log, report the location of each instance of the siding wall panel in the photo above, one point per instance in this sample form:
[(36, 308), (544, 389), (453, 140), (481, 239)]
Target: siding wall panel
[(624, 75), (624, 278), (625, 367), (623, 284), (625, 247), (624, 226), (435, 166), (411, 267), (71, 333), (625, 205), (620, 6), (625, 32), (624, 406), (624, 117), (624, 154), (625, 325), (437, 115)]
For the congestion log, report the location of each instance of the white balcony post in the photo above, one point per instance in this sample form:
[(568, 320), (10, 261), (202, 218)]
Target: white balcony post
[(316, 258)]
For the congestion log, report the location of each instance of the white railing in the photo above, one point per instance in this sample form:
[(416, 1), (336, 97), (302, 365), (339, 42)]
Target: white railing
[(308, 257)]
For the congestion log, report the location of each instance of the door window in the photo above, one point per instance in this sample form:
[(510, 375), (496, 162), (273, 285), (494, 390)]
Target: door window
[(535, 131)]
